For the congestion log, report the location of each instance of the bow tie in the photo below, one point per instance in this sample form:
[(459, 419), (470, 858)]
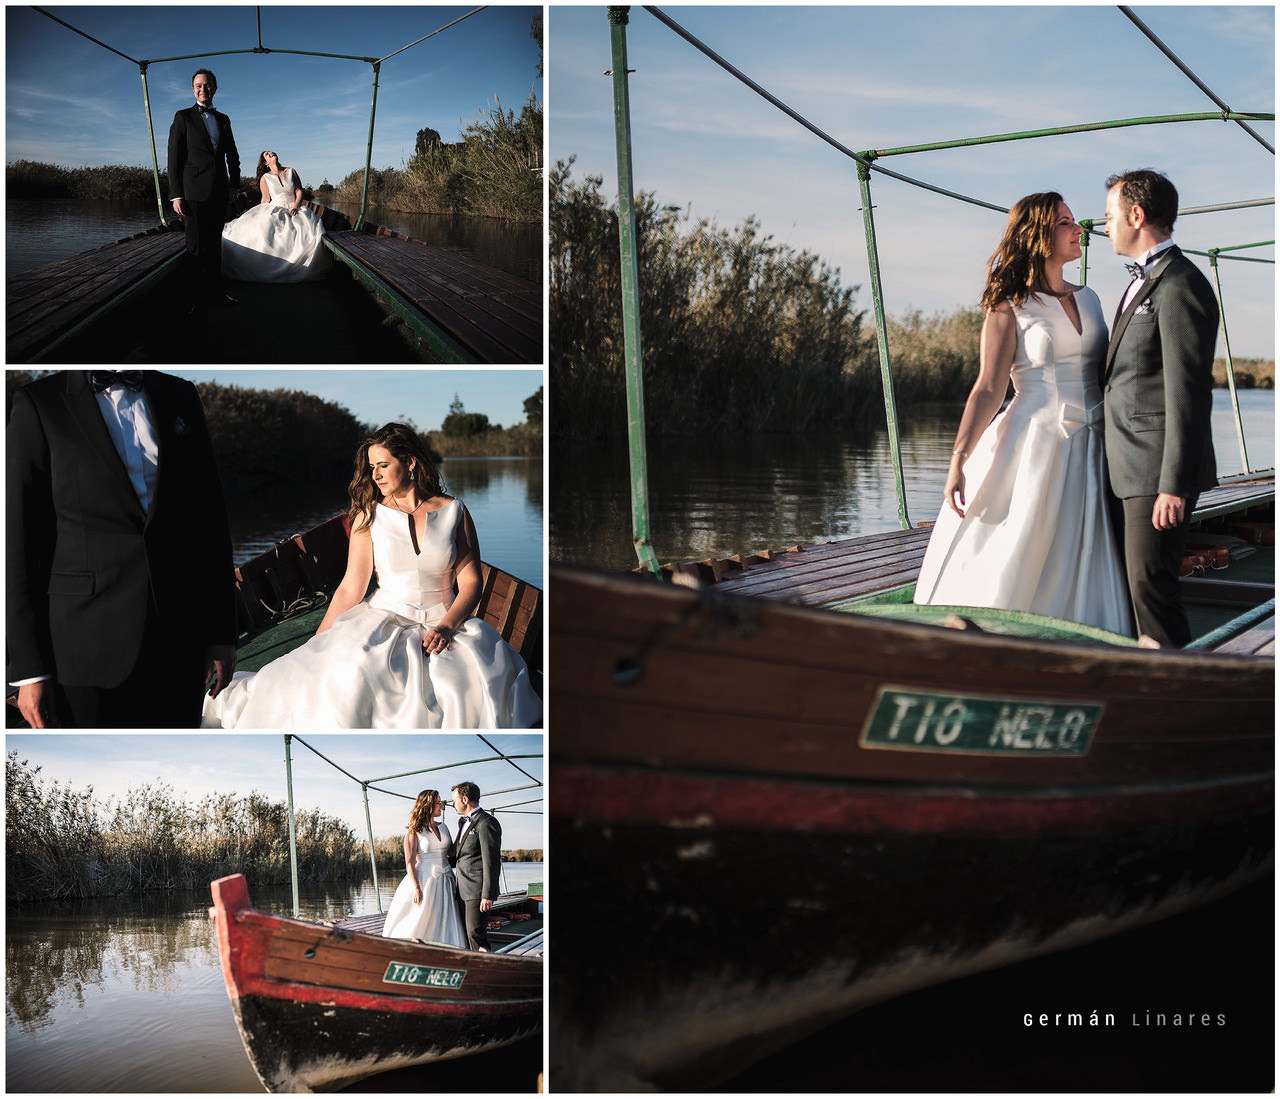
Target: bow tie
[(205, 110), (1136, 270), (102, 380)]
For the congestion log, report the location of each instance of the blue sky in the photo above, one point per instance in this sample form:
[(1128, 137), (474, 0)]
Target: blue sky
[(195, 764), (379, 396), (73, 103), (880, 77)]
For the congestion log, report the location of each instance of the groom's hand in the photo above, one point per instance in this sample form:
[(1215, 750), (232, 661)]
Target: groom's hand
[(219, 663), (179, 208), (1168, 512), (485, 905), (35, 701)]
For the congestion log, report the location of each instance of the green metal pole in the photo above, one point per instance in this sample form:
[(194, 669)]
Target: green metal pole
[(293, 827), (630, 295), (155, 164), (1226, 345), (373, 860), (368, 151), (882, 342), (1087, 226)]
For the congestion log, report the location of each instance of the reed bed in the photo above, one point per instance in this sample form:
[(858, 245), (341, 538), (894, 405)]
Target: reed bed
[(61, 842), (494, 171), (1249, 373)]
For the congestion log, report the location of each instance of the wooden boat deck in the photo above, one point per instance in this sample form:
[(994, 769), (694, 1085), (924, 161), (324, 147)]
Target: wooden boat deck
[(45, 306), (836, 572), (511, 931)]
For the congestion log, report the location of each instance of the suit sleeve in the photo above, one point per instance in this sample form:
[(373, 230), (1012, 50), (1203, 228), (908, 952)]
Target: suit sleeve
[(177, 155), (30, 526), (219, 568), (491, 854), (1188, 320), (233, 161)]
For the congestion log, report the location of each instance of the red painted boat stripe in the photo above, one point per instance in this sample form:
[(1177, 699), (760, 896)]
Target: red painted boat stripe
[(604, 794)]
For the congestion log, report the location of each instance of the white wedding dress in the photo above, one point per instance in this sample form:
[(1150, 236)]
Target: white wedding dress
[(437, 919), (266, 244), (368, 670), (1036, 535)]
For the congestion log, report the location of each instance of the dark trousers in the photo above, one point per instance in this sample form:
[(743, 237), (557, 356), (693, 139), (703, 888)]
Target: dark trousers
[(203, 223), (477, 933), (165, 690), (1152, 559)]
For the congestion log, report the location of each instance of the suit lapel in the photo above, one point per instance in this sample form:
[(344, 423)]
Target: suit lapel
[(83, 406), (160, 419), (1123, 318)]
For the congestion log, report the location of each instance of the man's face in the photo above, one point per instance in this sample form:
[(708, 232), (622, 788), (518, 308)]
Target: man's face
[(459, 803), (1120, 226), (203, 87)]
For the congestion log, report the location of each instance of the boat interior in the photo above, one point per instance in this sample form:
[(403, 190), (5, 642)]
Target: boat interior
[(515, 923)]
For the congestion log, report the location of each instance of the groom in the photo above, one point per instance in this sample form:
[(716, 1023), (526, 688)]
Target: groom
[(477, 860), (204, 167), (119, 582), (1158, 393)]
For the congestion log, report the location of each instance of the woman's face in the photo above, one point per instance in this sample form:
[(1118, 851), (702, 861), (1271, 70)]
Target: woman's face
[(270, 159), (389, 473), (1066, 235)]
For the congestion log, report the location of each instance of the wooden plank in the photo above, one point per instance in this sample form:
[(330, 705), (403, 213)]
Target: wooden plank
[(1252, 641)]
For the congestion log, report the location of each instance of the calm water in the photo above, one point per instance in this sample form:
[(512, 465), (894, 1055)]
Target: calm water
[(504, 496), (42, 231), (127, 996), (715, 498)]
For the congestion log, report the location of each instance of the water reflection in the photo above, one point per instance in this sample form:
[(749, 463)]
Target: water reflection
[(713, 498), (126, 994)]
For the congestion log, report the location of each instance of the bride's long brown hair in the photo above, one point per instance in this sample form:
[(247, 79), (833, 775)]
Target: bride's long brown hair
[(404, 445), (422, 816), (1015, 270)]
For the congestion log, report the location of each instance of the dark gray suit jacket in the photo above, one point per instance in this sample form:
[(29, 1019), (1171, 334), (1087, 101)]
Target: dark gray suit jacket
[(1158, 384), (196, 172), (477, 859)]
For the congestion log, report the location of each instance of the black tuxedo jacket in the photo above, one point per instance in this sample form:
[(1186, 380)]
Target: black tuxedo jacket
[(196, 172), (1158, 384), (478, 859), (82, 558)]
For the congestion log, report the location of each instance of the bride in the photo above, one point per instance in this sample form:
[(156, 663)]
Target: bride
[(278, 240), (409, 656), (1034, 533), (425, 905)]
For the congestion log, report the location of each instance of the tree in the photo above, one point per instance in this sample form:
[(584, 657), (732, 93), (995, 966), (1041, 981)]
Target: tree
[(533, 409), (428, 139), (535, 32), (459, 422)]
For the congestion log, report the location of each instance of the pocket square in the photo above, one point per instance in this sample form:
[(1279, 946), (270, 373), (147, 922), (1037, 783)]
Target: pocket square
[(1143, 309), (181, 427)]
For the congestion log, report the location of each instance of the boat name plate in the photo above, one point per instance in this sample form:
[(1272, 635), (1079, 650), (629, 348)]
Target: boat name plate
[(401, 973), (910, 720)]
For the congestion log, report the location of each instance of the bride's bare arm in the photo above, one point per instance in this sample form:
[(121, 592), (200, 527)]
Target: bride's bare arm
[(410, 853), (999, 338), (469, 581), (297, 192), (355, 581), (266, 191)]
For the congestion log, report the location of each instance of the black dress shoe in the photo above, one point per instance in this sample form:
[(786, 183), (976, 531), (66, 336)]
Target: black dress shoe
[(225, 299)]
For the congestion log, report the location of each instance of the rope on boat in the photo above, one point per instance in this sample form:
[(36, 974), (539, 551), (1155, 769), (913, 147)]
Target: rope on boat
[(719, 614)]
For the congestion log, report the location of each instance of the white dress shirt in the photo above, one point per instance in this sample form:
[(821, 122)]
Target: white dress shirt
[(128, 418), (1145, 259)]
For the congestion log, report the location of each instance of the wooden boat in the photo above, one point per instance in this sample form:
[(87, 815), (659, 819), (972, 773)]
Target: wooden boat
[(282, 594), (320, 1006), (799, 811), (125, 300)]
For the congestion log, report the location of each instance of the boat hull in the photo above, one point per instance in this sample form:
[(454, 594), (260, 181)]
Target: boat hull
[(797, 814), (749, 935), (320, 1006)]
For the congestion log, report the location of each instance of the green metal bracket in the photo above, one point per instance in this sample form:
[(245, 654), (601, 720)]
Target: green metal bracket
[(151, 134), (293, 826), (1226, 346), (368, 150), (882, 342), (630, 272), (1087, 225)]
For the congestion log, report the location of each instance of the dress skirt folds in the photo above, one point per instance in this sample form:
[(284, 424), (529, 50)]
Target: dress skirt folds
[(1036, 535)]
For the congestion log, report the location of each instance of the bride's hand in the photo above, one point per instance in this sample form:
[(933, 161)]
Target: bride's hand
[(436, 639), (955, 488), (417, 895)]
